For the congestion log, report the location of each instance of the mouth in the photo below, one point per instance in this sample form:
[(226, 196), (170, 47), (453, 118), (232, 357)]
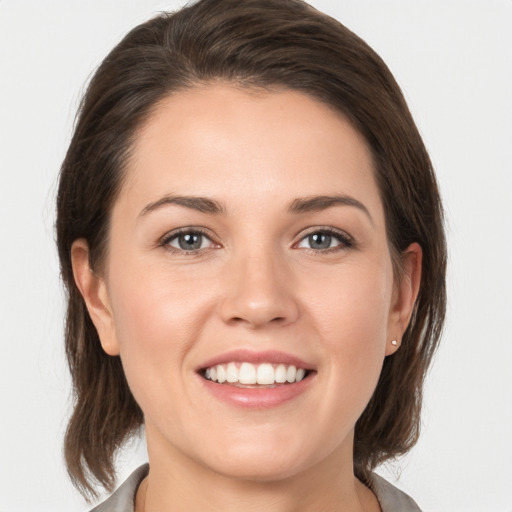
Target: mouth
[(245, 374), (257, 380)]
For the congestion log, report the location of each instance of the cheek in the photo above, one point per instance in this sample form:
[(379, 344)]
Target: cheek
[(157, 318), (351, 318), (354, 305), (156, 325), (153, 306)]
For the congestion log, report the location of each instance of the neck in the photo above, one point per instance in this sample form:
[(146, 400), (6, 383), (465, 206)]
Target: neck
[(178, 484)]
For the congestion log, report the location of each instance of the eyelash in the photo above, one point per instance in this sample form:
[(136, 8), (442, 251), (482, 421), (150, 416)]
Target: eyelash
[(345, 240), (168, 238)]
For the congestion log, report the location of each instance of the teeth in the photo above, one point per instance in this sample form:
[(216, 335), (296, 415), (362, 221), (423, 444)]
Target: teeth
[(280, 374), (247, 374), (221, 374), (231, 373), (291, 374), (264, 374)]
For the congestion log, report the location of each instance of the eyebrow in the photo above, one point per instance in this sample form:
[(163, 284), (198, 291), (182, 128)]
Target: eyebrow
[(319, 203), (297, 206), (201, 204)]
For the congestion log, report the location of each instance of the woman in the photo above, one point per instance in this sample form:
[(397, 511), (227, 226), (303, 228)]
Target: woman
[(251, 237)]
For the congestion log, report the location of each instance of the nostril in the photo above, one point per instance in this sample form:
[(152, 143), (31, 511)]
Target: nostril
[(237, 320), (255, 323)]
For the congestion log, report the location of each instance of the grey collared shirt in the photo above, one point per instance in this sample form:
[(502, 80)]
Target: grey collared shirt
[(390, 498)]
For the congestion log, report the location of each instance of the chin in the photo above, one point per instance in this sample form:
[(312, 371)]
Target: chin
[(260, 469), (265, 458)]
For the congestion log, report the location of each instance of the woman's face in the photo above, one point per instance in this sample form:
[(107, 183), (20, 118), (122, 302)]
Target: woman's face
[(248, 240)]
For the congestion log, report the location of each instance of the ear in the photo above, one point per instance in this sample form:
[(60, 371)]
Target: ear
[(405, 293), (95, 294)]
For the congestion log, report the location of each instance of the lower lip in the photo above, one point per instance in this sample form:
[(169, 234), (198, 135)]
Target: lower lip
[(258, 397)]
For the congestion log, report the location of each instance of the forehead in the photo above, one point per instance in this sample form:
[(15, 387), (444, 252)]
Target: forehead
[(240, 144)]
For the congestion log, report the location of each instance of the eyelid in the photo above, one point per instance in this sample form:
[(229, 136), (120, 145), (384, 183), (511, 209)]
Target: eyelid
[(165, 239), (346, 240)]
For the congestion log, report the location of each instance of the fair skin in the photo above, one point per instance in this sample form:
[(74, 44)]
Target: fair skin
[(260, 268)]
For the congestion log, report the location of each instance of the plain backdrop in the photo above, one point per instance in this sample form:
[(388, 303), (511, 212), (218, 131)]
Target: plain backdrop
[(453, 60)]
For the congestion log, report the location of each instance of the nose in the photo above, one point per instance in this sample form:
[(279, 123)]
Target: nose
[(258, 291)]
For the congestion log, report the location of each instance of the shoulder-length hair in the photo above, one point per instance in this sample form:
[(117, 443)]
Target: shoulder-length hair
[(250, 43)]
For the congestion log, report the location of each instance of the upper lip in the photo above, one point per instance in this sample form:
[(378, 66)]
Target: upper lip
[(256, 357)]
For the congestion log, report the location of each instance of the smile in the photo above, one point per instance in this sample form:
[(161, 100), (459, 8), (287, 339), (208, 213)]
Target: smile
[(256, 380), (246, 374)]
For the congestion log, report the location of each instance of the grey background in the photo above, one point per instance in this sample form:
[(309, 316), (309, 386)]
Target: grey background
[(453, 60)]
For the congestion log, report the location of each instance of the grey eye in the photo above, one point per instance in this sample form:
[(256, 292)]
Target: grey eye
[(189, 241), (320, 241), (325, 239)]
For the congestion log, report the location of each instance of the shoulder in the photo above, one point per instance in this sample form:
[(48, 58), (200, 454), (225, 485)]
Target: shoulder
[(390, 498), (123, 499)]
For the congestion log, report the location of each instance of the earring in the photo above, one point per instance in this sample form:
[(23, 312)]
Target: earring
[(394, 343)]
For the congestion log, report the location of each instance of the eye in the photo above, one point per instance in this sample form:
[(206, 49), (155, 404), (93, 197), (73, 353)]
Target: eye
[(326, 240), (187, 241)]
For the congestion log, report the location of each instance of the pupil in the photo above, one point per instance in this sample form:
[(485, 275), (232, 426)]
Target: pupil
[(320, 241), (190, 241)]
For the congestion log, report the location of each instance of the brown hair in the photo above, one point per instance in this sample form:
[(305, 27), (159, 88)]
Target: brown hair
[(256, 43)]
